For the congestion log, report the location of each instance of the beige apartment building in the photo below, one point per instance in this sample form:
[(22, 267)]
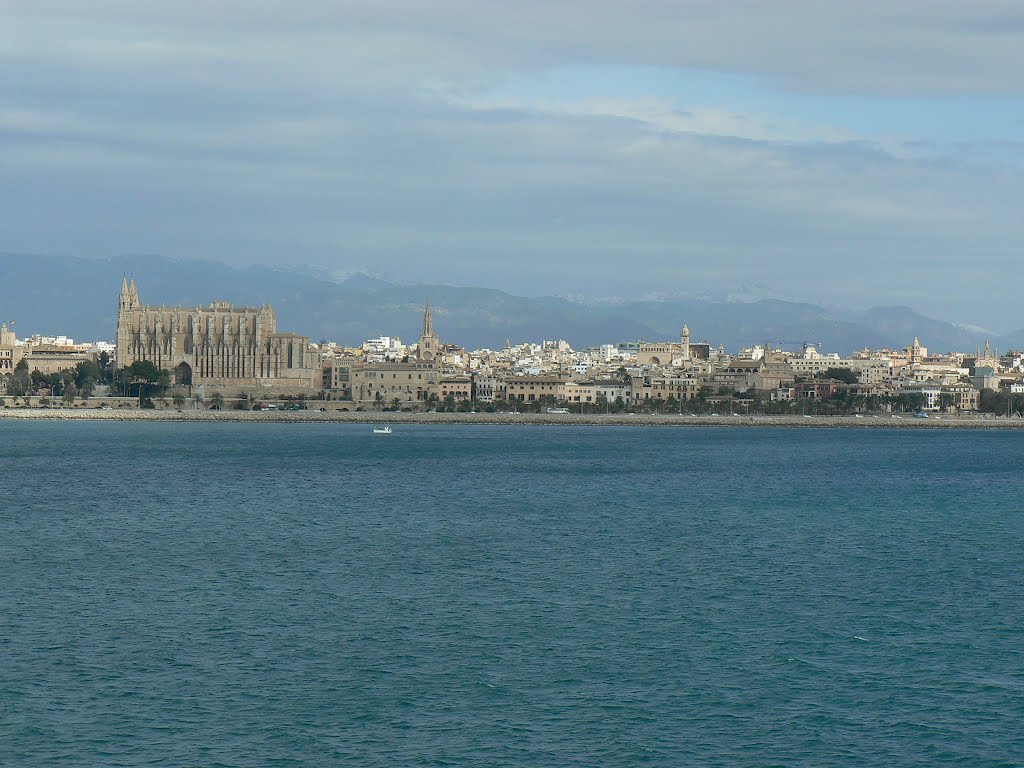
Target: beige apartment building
[(532, 388), (663, 387), (489, 388), (53, 358), (383, 383), (459, 387), (337, 377)]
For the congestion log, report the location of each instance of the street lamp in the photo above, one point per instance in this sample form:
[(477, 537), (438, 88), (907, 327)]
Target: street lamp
[(140, 381)]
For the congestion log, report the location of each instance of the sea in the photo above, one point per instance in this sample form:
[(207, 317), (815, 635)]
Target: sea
[(234, 595)]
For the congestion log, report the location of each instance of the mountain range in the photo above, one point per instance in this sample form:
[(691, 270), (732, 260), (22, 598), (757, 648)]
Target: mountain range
[(78, 297)]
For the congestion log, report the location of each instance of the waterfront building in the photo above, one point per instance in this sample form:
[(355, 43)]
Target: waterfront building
[(337, 377), (488, 388), (964, 396), (220, 346), (54, 358), (456, 386), (368, 381), (648, 387), (384, 383), (533, 388)]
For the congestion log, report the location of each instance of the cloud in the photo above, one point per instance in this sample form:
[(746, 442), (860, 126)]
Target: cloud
[(388, 135), (912, 47)]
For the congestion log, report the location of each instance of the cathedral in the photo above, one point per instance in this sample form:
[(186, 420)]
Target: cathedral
[(221, 346)]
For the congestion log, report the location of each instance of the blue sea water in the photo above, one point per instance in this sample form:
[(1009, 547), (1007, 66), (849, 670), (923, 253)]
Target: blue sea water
[(316, 595)]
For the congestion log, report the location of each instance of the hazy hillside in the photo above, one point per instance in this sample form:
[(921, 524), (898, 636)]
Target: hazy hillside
[(904, 323), (78, 297)]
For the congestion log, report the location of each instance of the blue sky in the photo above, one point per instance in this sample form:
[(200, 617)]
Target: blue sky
[(942, 120), (853, 155)]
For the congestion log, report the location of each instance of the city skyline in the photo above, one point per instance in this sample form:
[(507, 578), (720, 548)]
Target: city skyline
[(74, 301), (816, 153)]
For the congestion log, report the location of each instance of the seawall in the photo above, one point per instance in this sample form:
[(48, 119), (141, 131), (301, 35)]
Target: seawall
[(374, 417)]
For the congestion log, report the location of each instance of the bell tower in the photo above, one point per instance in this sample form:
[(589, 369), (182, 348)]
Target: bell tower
[(127, 302), (428, 346)]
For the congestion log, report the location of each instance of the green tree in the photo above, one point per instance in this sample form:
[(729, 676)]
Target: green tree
[(844, 375), (85, 373), (106, 367), (144, 379), (991, 401), (21, 381), (217, 401), (178, 399)]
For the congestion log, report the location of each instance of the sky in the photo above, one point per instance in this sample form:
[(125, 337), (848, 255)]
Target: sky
[(847, 154)]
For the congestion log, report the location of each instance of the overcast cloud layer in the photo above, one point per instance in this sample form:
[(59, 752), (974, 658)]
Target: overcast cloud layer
[(856, 153)]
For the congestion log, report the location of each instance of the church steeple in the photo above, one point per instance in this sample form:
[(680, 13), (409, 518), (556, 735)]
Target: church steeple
[(428, 321), (429, 345)]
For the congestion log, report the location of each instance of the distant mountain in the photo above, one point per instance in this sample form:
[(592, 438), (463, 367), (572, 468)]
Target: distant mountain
[(78, 297), (780, 323), (1012, 340), (903, 323)]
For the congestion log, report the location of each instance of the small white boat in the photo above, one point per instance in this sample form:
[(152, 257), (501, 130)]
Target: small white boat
[(382, 430)]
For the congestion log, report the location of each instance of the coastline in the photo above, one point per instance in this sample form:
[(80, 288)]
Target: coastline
[(384, 417)]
